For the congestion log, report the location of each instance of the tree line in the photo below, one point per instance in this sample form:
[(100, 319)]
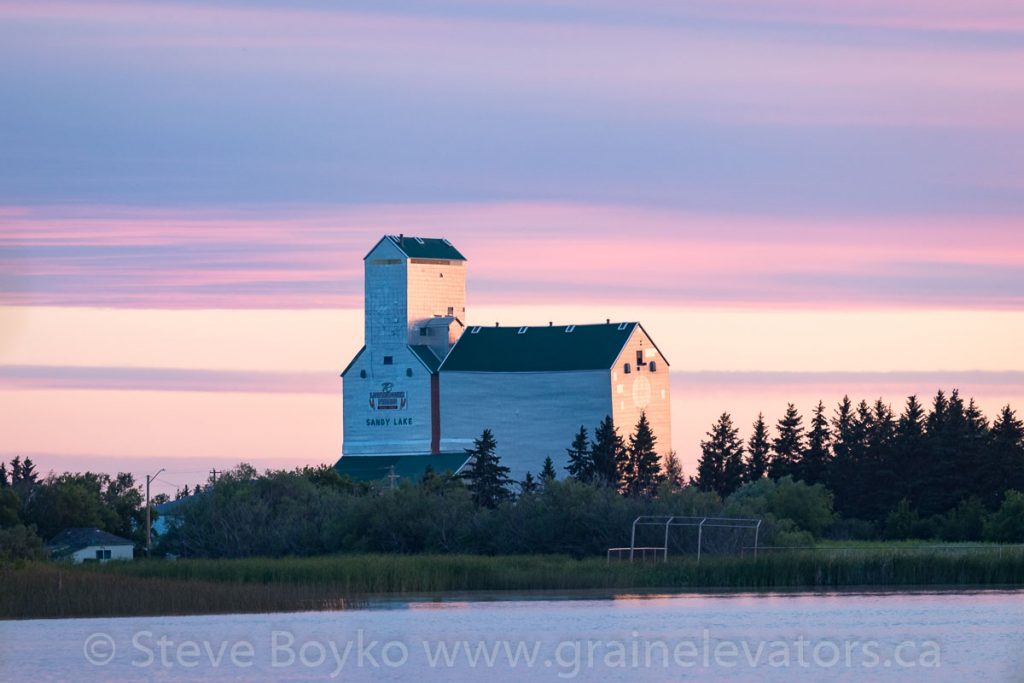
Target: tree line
[(861, 472), (919, 464)]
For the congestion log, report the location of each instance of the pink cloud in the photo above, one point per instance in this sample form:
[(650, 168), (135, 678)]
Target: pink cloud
[(517, 252)]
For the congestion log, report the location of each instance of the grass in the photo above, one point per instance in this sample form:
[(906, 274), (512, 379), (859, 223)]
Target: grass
[(340, 581)]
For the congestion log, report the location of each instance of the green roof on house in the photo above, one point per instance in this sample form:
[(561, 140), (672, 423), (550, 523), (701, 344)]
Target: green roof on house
[(538, 349), (424, 247), (406, 467)]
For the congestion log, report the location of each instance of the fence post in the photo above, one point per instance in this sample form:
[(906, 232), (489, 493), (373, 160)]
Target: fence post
[(665, 559), (700, 536)]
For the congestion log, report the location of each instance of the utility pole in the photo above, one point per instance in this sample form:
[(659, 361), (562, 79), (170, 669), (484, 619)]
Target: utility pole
[(213, 475), (149, 512)]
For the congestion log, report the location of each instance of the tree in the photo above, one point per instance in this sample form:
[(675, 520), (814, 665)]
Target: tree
[(581, 462), (846, 466), (910, 456), (817, 455), (674, 472), (529, 485), (643, 473), (608, 451), (758, 451), (788, 445), (487, 479), (720, 467), (547, 472), (1007, 453), (4, 483)]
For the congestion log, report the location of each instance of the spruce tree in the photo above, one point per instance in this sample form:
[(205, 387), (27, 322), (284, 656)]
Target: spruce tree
[(608, 451), (910, 456), (643, 473), (547, 472), (674, 472), (4, 483), (581, 462), (529, 485), (1007, 440), (721, 458), (487, 479), (788, 445), (847, 446), (758, 451), (817, 456)]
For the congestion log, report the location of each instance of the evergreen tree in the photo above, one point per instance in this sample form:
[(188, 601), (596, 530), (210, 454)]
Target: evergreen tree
[(487, 479), (847, 455), (547, 472), (4, 483), (581, 462), (945, 431), (528, 485), (608, 451), (1008, 455), (758, 451), (643, 472), (910, 457), (674, 472), (15, 470), (721, 458), (788, 445), (817, 456)]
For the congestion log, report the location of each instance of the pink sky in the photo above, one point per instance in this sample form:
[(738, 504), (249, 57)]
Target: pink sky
[(798, 201)]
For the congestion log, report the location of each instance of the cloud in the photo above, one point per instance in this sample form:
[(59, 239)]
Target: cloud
[(518, 252)]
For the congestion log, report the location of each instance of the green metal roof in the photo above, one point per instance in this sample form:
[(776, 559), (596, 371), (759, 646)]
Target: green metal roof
[(538, 349), (407, 467), (428, 357), (424, 247)]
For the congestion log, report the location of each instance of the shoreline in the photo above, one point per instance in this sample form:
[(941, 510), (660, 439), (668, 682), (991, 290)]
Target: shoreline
[(341, 582)]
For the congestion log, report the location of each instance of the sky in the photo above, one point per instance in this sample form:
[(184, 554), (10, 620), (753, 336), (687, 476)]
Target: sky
[(799, 200)]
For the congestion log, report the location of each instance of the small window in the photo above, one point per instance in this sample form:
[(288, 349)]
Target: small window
[(623, 326), (522, 330), (639, 359), (570, 328), (408, 372), (475, 330), (389, 360), (424, 331), (102, 554), (451, 310), (419, 239), (362, 374), (653, 366), (626, 369)]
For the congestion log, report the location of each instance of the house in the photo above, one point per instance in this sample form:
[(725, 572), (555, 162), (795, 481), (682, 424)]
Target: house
[(89, 545)]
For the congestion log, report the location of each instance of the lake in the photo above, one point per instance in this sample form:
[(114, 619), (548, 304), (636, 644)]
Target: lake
[(938, 636)]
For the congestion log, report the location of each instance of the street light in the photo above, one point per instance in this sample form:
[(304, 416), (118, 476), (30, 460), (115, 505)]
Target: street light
[(149, 508)]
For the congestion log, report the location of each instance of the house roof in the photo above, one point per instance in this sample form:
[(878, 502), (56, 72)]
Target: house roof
[(410, 467), (71, 540), (423, 247), (538, 349)]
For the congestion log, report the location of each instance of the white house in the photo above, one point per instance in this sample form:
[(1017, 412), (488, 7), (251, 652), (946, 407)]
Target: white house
[(90, 545), (424, 386)]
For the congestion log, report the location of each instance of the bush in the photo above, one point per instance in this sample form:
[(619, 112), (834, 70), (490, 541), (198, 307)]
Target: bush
[(808, 507), (20, 542), (1007, 524)]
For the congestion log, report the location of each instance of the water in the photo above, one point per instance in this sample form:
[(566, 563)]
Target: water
[(936, 636)]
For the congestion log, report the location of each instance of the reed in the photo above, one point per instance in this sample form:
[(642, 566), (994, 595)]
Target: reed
[(341, 581)]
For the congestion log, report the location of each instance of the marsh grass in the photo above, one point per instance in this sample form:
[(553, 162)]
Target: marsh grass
[(152, 587)]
